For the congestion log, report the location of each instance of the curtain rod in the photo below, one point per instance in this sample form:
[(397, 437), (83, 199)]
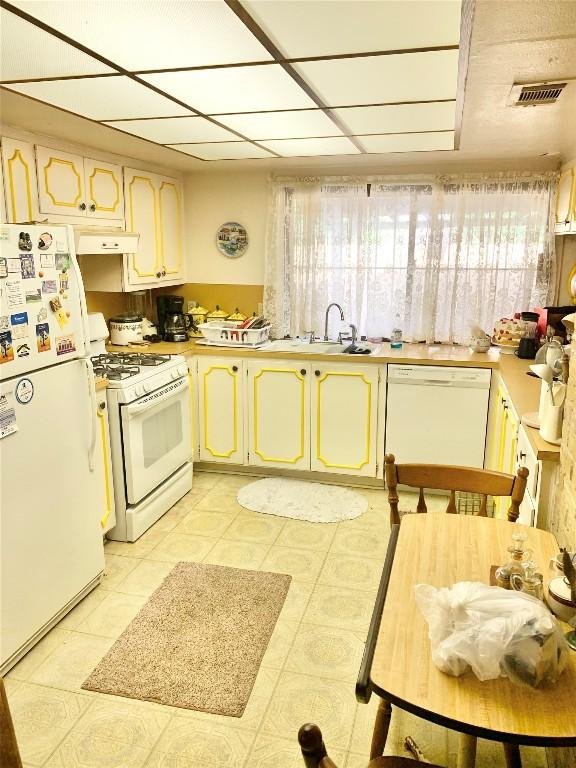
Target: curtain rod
[(420, 178)]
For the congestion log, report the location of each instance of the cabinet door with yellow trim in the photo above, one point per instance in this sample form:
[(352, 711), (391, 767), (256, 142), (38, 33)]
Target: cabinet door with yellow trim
[(20, 185), (278, 402), (170, 228), (104, 193), (220, 409), (344, 417), (142, 216), (60, 182)]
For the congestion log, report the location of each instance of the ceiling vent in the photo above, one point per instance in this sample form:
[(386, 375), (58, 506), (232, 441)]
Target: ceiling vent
[(535, 94)]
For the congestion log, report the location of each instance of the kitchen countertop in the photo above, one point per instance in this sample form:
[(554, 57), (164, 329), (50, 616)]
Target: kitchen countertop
[(524, 390)]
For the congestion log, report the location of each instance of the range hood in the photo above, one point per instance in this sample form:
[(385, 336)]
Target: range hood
[(95, 240)]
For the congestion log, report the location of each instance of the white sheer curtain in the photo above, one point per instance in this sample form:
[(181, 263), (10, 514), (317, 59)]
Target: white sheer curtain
[(442, 254)]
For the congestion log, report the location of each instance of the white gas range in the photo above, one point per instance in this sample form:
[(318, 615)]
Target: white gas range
[(148, 400)]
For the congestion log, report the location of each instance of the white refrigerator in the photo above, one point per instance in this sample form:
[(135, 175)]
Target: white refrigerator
[(51, 548)]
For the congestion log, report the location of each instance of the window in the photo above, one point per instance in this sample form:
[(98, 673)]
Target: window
[(441, 255)]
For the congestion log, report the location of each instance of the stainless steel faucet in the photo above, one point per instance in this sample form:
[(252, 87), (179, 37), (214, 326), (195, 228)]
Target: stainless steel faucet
[(328, 308)]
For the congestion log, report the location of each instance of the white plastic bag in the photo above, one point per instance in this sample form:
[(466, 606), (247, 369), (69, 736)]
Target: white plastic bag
[(494, 631)]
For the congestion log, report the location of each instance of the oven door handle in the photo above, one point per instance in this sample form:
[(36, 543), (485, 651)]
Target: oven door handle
[(155, 399)]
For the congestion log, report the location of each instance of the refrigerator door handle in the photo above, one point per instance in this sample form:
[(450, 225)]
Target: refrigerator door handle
[(93, 415), (81, 292)]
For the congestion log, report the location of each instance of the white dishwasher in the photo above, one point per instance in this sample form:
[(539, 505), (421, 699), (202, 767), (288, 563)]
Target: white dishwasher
[(437, 414)]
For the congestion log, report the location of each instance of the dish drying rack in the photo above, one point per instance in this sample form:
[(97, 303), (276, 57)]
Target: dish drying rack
[(229, 334)]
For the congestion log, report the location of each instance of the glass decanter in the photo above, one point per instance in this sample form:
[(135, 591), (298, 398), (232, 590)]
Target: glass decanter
[(514, 565)]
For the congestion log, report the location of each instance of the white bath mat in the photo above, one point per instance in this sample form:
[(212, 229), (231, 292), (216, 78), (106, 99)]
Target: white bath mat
[(302, 500)]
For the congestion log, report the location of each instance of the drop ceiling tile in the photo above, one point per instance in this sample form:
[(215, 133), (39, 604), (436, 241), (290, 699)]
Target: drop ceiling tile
[(282, 125), (380, 79), (312, 147), (102, 98), (152, 35), (399, 118), (173, 130), (409, 142), (27, 51), (242, 89), (322, 28), (224, 150)]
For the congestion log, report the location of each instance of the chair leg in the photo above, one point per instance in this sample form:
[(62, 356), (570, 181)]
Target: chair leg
[(466, 751), (9, 754), (381, 726), (312, 745), (512, 755)]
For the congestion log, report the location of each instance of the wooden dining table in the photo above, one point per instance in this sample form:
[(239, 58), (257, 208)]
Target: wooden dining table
[(441, 549)]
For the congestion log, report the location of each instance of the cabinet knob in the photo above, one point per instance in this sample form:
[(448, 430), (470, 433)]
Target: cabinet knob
[(164, 272), (522, 455), (235, 368), (92, 207), (316, 373), (158, 274), (303, 371), (82, 206), (102, 406)]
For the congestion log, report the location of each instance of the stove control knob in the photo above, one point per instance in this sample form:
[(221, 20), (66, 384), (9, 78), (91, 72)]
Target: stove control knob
[(175, 374), (183, 370), (139, 391), (146, 388)]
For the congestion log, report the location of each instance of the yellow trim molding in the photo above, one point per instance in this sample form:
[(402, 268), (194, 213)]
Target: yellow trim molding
[(70, 164), (302, 420), (235, 399), (368, 421), (178, 227), (17, 156), (134, 267), (107, 172)]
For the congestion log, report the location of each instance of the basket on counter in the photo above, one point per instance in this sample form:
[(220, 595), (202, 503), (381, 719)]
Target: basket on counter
[(227, 334)]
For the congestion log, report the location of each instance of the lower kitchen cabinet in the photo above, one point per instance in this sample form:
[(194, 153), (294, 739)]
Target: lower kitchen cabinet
[(278, 405), (220, 409), (344, 407), (103, 464)]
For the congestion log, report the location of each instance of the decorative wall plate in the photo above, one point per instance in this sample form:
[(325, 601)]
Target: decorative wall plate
[(232, 239)]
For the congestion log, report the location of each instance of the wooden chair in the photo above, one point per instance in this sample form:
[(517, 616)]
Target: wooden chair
[(446, 477), (9, 754), (314, 753)]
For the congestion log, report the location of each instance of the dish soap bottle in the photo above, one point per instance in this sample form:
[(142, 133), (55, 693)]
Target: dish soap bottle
[(396, 337)]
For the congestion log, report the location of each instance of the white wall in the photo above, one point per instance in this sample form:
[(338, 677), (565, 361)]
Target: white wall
[(210, 200)]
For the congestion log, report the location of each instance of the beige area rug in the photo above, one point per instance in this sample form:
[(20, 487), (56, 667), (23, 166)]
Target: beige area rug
[(199, 640), (302, 500)]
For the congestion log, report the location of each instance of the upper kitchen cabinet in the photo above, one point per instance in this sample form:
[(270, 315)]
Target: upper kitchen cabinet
[(21, 189), (565, 210), (154, 210), (70, 185)]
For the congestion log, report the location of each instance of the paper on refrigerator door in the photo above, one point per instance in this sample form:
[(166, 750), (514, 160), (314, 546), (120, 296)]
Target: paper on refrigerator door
[(7, 418)]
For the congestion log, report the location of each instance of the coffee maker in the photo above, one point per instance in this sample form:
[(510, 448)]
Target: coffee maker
[(171, 318)]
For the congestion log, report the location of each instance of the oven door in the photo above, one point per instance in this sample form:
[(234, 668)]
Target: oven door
[(156, 438)]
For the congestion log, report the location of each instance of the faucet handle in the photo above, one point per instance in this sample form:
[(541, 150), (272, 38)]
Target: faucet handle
[(311, 336), (354, 332)]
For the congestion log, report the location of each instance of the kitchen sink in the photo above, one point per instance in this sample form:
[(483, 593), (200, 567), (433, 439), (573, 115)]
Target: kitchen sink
[(316, 348), (300, 347)]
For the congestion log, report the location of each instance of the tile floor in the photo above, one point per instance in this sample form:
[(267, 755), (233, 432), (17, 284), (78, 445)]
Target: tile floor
[(307, 673)]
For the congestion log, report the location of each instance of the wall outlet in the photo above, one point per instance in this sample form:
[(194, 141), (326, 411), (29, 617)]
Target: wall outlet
[(191, 305)]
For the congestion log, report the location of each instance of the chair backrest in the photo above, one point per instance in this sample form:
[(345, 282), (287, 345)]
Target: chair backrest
[(445, 477)]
